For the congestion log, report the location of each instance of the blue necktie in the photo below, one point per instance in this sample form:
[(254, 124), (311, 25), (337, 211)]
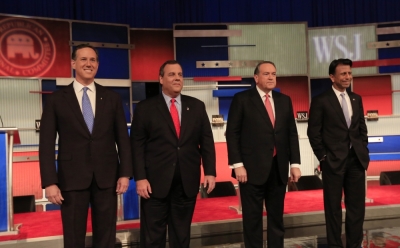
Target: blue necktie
[(87, 110), (345, 110)]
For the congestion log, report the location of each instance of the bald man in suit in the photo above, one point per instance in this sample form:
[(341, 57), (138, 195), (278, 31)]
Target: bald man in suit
[(171, 138)]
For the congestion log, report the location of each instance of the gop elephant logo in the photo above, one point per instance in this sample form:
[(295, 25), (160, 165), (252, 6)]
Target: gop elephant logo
[(27, 49), (20, 44)]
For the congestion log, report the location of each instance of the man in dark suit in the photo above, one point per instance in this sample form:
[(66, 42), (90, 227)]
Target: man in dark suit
[(90, 123), (170, 136), (338, 136), (262, 140)]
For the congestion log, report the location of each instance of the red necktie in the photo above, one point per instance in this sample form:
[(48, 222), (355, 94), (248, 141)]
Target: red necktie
[(175, 117), (268, 106)]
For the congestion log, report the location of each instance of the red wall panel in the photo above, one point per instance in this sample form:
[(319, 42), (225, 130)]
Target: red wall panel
[(376, 93), (297, 89), (152, 49), (26, 176)]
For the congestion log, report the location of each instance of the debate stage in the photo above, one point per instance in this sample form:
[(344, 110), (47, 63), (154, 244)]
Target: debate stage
[(215, 223)]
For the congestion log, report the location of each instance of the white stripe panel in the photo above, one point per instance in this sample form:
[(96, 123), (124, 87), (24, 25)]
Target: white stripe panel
[(19, 108), (203, 92)]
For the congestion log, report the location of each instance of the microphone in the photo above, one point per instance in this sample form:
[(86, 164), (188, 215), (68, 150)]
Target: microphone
[(2, 125)]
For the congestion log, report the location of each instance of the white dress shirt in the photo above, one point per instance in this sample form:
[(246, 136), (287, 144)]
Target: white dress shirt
[(78, 88)]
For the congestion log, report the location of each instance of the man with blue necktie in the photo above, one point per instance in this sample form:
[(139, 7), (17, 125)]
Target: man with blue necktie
[(94, 156), (338, 136)]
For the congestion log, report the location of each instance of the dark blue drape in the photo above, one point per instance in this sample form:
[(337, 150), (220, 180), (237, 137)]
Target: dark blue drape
[(164, 13)]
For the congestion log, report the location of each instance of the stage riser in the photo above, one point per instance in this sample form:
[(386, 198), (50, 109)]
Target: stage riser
[(215, 234)]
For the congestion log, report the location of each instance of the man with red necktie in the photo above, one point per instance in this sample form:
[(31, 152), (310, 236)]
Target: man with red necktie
[(171, 137), (262, 140)]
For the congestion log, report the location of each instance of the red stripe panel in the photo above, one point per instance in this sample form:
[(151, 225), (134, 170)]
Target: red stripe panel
[(378, 62), (26, 177), (375, 98), (297, 89), (152, 49), (376, 167), (216, 79)]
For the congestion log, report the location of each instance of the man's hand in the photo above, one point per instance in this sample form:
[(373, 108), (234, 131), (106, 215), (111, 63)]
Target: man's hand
[(143, 188), (122, 185), (241, 174), (210, 182), (53, 194), (295, 174)]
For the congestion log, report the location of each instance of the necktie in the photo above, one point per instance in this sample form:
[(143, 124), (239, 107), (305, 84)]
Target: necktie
[(345, 110), (87, 110), (175, 117), (268, 106)]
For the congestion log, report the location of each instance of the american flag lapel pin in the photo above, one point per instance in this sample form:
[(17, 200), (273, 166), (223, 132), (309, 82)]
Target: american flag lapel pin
[(187, 108)]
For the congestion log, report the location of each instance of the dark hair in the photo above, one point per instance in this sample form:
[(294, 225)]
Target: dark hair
[(336, 62), (168, 62), (257, 70), (73, 56)]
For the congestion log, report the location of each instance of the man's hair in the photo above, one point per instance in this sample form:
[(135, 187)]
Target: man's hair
[(73, 56), (168, 62), (336, 62), (257, 70)]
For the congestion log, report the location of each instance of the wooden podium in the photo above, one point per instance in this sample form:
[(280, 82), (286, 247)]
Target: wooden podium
[(8, 137)]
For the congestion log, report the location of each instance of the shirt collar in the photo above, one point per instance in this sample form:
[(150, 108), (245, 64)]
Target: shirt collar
[(262, 93), (78, 86), (339, 92), (168, 98)]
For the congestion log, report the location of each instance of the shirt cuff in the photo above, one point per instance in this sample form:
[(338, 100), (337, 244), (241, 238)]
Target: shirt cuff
[(295, 166), (237, 165)]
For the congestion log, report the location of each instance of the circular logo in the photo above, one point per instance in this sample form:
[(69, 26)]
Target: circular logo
[(26, 48)]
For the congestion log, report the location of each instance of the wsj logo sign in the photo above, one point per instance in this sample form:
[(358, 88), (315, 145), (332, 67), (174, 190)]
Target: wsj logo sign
[(302, 116), (328, 48)]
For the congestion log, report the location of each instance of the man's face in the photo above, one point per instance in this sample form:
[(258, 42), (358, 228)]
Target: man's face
[(85, 64), (172, 81), (266, 77), (342, 78)]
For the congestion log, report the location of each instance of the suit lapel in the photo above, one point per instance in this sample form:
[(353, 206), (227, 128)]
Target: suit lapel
[(100, 101), (336, 106), (354, 106), (260, 107), (185, 116), (70, 98), (164, 111)]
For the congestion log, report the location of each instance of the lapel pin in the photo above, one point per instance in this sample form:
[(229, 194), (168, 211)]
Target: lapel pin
[(187, 108), (354, 99)]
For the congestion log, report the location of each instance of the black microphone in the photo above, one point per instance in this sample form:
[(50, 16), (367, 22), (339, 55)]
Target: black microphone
[(2, 125)]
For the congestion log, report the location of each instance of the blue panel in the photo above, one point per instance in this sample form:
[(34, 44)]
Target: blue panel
[(226, 92), (131, 201), (188, 50), (113, 63), (389, 53), (138, 91), (387, 156), (99, 33), (3, 183), (52, 207), (124, 93), (390, 144)]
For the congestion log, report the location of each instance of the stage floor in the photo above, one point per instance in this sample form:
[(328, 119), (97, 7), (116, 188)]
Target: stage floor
[(215, 222)]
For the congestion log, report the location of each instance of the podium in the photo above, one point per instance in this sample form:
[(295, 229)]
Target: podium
[(8, 137)]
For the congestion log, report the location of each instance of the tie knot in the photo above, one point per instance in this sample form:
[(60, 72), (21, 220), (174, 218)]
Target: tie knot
[(173, 100), (85, 89), (342, 94)]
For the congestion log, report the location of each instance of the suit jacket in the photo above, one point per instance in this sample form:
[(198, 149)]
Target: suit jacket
[(328, 132), (156, 149), (251, 137), (81, 155)]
